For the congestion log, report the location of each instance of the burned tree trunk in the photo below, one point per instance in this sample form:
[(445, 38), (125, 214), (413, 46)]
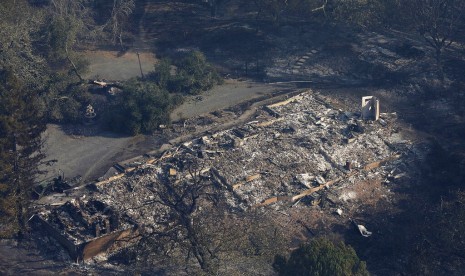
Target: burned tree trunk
[(75, 70)]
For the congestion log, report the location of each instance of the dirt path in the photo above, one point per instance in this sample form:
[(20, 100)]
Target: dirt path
[(231, 93), (111, 65)]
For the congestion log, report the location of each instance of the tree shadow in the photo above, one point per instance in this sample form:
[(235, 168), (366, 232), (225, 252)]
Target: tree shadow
[(97, 129)]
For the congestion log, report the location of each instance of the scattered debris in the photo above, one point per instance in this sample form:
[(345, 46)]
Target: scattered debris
[(85, 228), (172, 172), (305, 179), (297, 151), (363, 231), (247, 180), (382, 122), (348, 165), (348, 196)]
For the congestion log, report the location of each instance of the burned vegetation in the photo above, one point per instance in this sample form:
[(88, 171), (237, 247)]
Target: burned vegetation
[(268, 173)]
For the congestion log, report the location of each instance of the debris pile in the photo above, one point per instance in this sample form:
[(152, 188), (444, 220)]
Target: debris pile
[(302, 144), (82, 220), (294, 150)]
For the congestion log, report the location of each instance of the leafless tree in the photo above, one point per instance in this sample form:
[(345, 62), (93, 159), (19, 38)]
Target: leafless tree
[(195, 223), (120, 13), (185, 203), (437, 21)]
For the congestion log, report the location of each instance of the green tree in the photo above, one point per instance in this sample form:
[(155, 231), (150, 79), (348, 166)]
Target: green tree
[(193, 75), (23, 75), (321, 257), (65, 101), (18, 23), (140, 108), (27, 35), (20, 140), (60, 33), (70, 24)]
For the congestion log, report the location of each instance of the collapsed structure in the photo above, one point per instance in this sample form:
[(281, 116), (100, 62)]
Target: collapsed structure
[(294, 150)]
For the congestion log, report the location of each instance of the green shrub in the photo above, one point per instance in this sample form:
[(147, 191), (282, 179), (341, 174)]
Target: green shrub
[(193, 74), (162, 74), (140, 108), (61, 34), (145, 104), (321, 257), (64, 101)]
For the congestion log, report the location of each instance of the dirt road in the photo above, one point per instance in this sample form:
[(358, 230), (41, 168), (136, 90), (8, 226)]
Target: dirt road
[(231, 93)]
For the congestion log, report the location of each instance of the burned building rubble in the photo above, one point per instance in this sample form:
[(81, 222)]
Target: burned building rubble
[(83, 226), (298, 149)]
